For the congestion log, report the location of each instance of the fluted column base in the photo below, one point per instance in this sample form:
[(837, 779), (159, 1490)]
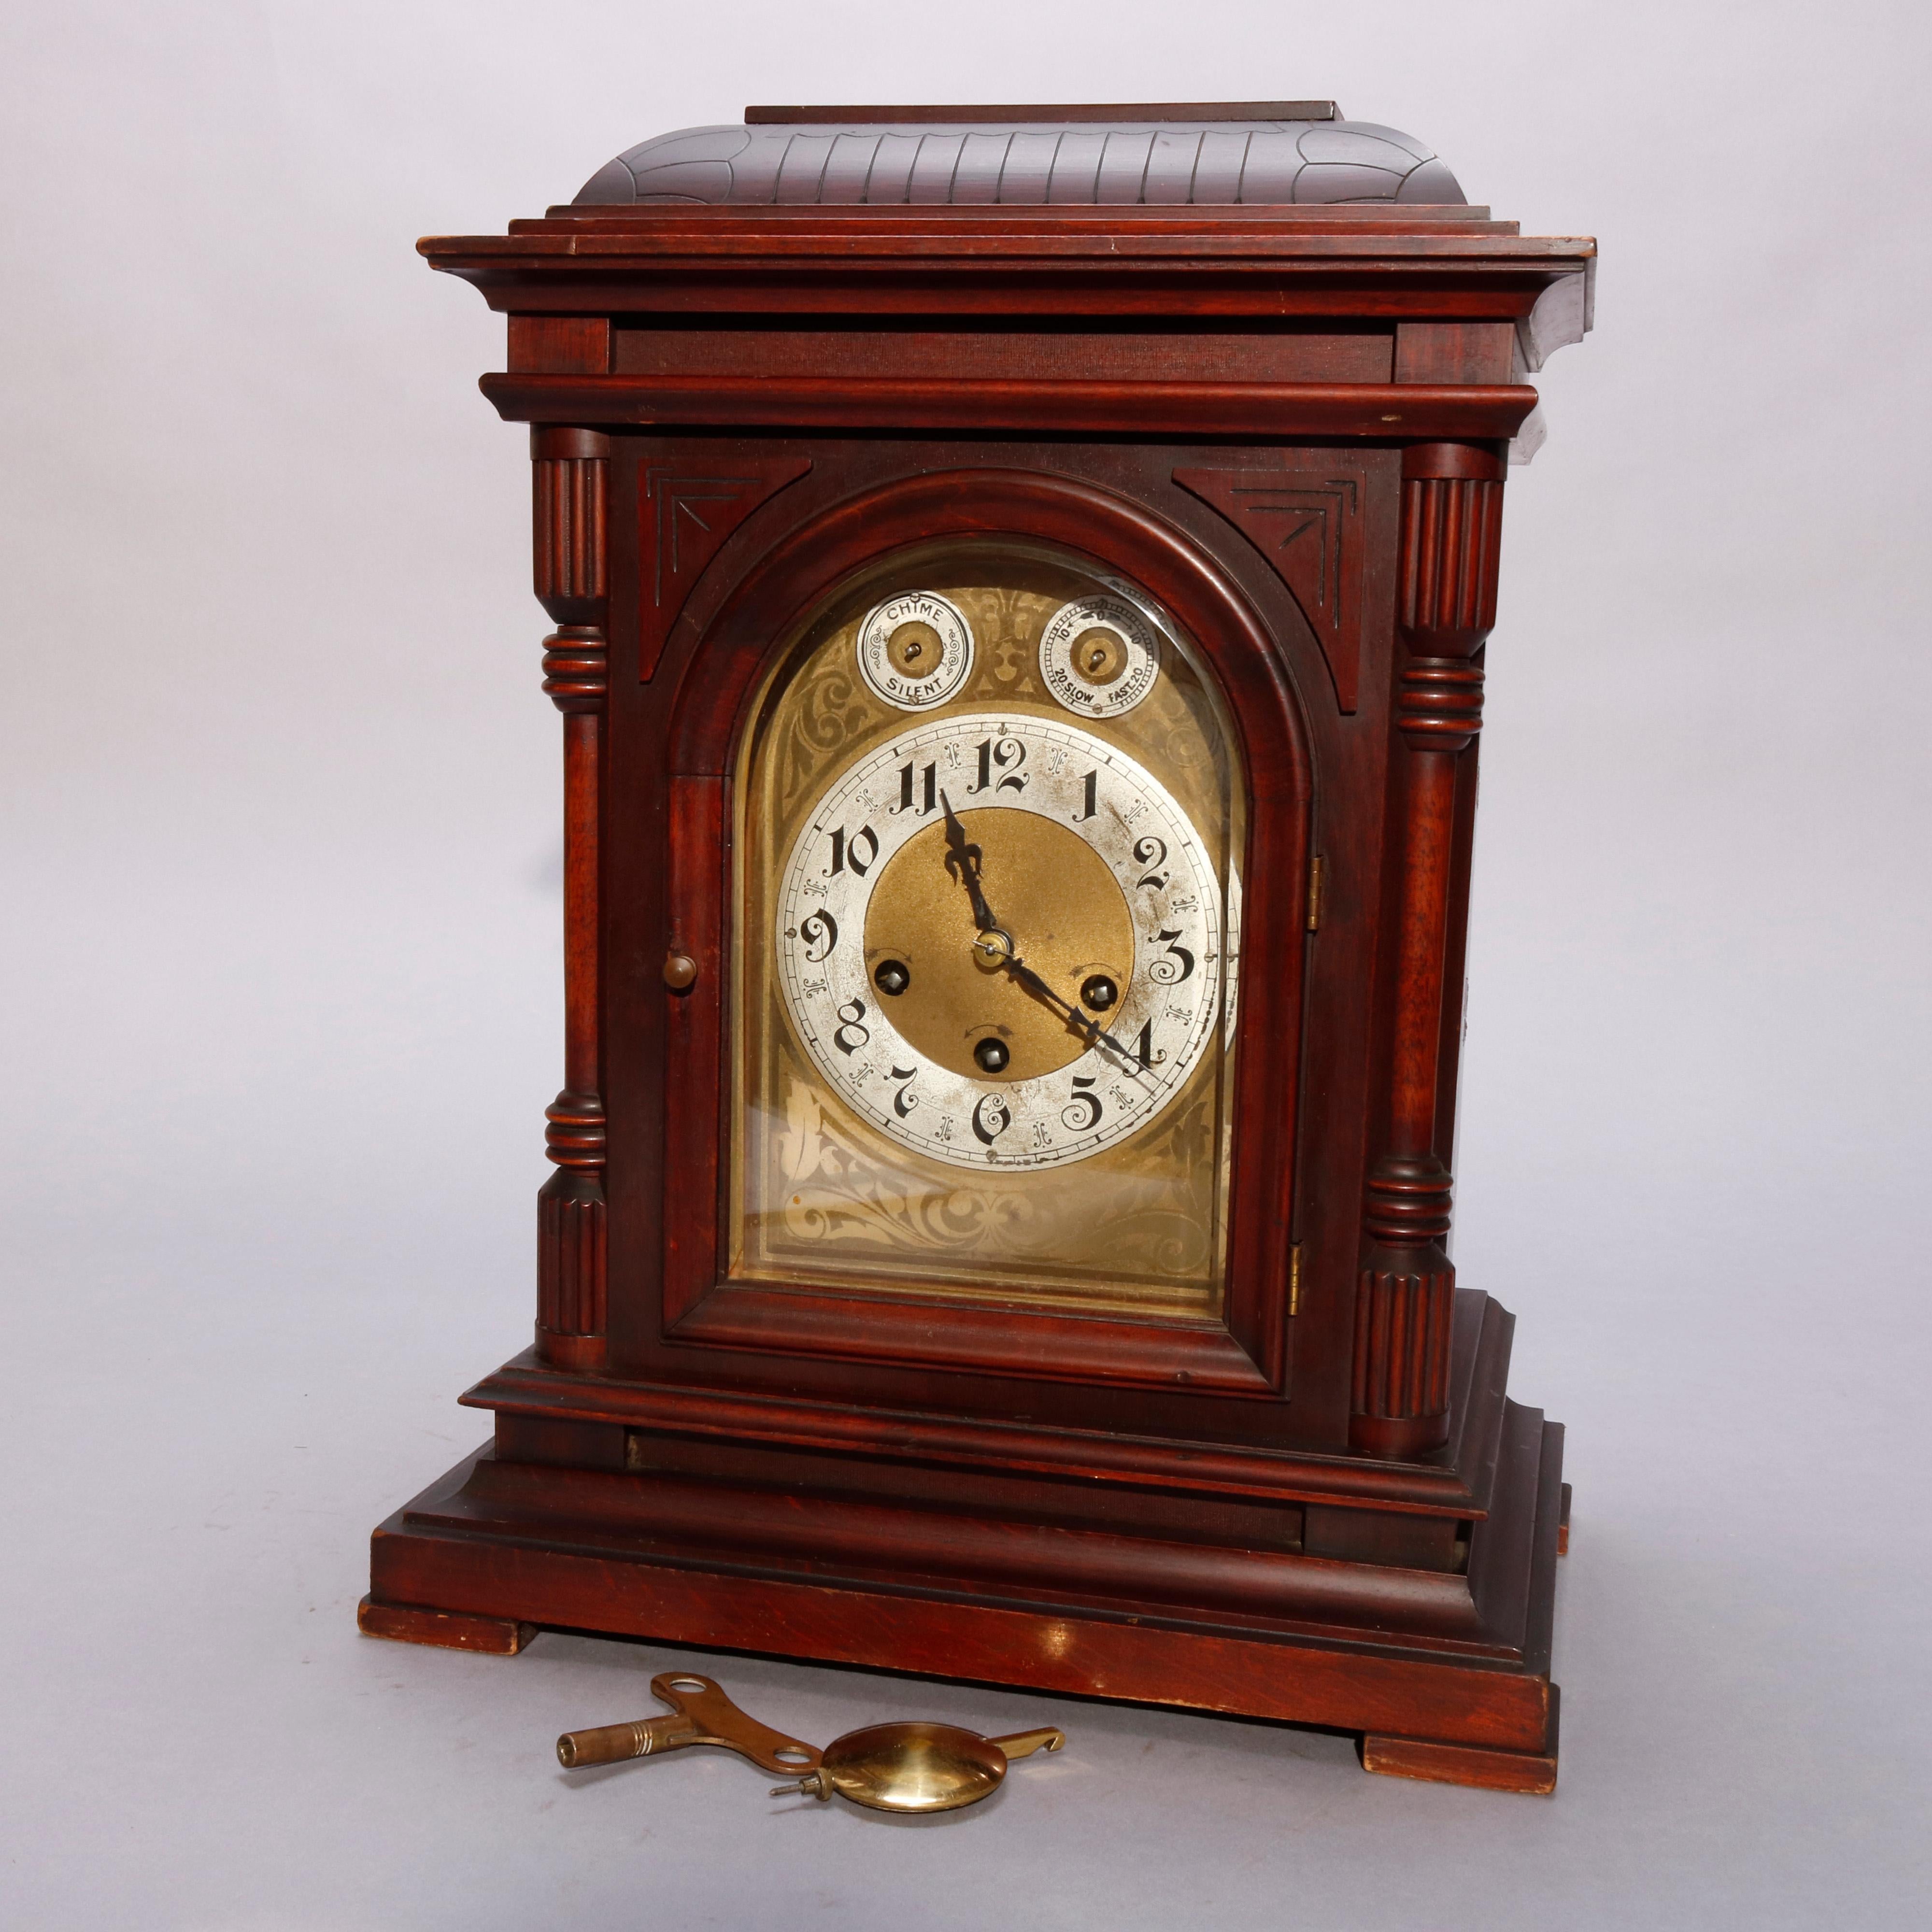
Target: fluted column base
[(571, 1237), (1405, 1306)]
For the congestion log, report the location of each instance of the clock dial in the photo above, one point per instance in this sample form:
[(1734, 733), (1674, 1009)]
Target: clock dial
[(915, 650), (1098, 656), (999, 939)]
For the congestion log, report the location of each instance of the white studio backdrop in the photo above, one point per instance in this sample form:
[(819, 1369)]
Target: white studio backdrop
[(282, 1013)]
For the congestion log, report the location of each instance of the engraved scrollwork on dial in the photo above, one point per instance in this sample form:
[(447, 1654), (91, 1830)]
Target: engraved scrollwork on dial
[(915, 650), (1098, 656)]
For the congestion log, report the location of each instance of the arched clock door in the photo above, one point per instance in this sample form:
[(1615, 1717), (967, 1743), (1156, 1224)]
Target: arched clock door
[(967, 1099)]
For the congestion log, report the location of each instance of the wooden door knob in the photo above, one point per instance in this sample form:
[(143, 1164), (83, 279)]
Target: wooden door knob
[(680, 970)]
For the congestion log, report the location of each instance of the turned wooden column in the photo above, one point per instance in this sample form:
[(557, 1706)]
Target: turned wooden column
[(572, 489), (1452, 501)]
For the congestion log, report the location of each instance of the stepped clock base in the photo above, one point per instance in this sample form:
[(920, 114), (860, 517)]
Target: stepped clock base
[(494, 1550)]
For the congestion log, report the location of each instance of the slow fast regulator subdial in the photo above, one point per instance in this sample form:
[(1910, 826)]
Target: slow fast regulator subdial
[(1001, 942)]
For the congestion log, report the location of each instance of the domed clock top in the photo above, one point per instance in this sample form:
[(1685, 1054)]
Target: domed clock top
[(1259, 153)]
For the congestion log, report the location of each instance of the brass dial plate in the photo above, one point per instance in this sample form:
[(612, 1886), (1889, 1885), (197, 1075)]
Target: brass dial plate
[(960, 995), (827, 1185)]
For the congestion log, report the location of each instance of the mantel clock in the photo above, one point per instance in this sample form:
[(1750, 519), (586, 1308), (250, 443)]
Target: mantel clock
[(1020, 579)]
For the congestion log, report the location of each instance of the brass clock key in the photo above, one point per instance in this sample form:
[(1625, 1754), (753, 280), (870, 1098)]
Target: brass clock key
[(701, 1715)]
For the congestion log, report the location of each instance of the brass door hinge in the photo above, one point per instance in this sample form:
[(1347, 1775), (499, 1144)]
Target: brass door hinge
[(1294, 1281), (1317, 868)]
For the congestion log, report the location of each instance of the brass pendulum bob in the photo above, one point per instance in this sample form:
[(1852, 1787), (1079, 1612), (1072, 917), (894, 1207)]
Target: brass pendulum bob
[(906, 1767), (918, 1767)]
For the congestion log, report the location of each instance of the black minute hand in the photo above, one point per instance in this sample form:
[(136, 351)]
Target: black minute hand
[(1090, 1030), (962, 861)]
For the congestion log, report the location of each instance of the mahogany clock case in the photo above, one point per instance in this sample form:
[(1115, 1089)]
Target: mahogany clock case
[(1284, 426)]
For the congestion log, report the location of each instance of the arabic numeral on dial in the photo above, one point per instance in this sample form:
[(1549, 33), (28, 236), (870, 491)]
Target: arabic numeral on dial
[(1152, 852), (852, 1013), (990, 1118), (926, 788), (1144, 1047), (819, 931), (905, 1099), (859, 852), (1088, 803), (1175, 964), (1081, 1114), (1004, 755)]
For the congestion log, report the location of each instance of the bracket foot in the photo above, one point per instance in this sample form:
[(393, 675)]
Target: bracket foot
[(448, 1630)]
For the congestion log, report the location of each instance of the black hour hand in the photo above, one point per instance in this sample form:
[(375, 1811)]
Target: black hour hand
[(962, 862)]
